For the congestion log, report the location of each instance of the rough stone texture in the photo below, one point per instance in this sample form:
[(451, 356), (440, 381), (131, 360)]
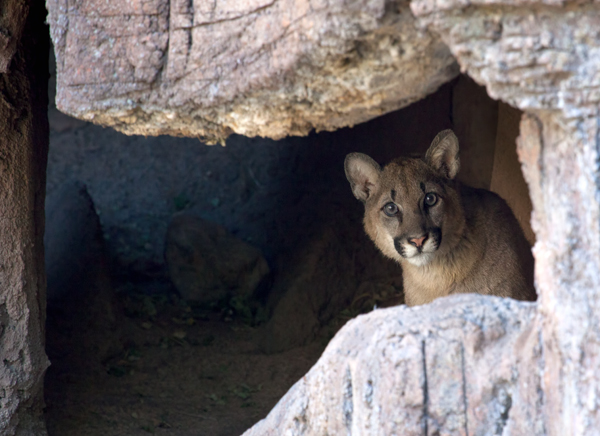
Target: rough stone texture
[(13, 15), (255, 67), (561, 164), (532, 57), (464, 365), (83, 317), (207, 263), (23, 153)]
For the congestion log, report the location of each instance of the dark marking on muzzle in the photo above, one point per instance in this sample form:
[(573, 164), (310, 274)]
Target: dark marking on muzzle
[(436, 235), (398, 246)]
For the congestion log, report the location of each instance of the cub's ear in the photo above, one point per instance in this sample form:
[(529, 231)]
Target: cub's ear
[(363, 174), (442, 155)]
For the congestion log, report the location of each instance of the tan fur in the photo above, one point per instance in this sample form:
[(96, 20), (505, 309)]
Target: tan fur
[(473, 242)]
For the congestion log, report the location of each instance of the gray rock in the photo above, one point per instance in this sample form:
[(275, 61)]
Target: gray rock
[(73, 241), (463, 365), (23, 157), (275, 68), (207, 263)]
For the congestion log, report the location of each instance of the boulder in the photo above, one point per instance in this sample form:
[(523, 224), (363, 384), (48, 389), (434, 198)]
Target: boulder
[(462, 365), (12, 21), (84, 316), (254, 67), (206, 263)]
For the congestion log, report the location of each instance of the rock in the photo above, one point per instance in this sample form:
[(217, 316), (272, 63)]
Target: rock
[(23, 157), (557, 156), (73, 242), (546, 64), (12, 22), (84, 329), (507, 177), (254, 67), (533, 61), (465, 364), (84, 316), (207, 263)]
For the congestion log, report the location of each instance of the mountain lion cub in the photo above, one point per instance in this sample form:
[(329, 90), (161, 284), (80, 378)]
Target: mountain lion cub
[(448, 237)]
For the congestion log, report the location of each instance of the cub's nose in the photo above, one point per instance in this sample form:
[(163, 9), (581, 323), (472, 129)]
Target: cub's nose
[(418, 242)]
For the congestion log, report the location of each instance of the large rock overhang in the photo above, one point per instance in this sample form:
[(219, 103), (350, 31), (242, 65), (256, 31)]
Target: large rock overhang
[(258, 68)]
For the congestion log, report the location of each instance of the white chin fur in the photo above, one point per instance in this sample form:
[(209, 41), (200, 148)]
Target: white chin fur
[(420, 259)]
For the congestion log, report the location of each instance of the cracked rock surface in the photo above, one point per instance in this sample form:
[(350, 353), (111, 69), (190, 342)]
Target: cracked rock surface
[(463, 365), (267, 68)]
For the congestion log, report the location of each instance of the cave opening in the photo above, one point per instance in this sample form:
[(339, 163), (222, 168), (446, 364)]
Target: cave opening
[(133, 353)]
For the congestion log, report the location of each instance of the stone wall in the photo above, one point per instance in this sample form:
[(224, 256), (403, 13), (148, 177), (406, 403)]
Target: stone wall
[(23, 153)]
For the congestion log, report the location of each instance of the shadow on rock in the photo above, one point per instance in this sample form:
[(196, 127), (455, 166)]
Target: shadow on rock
[(83, 313)]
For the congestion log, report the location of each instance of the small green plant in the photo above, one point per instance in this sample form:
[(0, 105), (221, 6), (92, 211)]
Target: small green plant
[(242, 308)]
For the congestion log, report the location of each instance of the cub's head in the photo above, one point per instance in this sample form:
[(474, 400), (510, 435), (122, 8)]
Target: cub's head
[(413, 211)]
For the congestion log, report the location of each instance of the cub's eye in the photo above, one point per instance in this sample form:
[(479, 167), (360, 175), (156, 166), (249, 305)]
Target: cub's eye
[(431, 199), (390, 209)]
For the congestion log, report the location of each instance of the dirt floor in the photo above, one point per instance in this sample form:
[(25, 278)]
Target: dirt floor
[(183, 371)]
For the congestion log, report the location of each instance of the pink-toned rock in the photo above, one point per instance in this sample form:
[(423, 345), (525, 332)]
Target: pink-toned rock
[(464, 365), (23, 155), (254, 67)]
